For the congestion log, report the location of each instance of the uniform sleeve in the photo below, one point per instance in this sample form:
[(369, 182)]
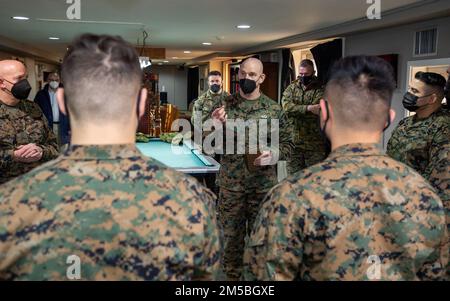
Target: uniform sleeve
[(393, 143), (195, 108), (6, 157), (286, 136), (438, 169), (275, 248), (296, 110), (207, 267), (50, 144), (289, 106)]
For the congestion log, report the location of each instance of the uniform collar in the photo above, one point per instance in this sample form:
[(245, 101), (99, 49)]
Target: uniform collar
[(257, 103), (432, 115), (356, 149), (105, 152), (211, 94)]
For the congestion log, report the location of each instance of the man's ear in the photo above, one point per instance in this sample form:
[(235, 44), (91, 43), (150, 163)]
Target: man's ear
[(262, 79), (392, 115), (143, 102), (433, 98), (61, 101)]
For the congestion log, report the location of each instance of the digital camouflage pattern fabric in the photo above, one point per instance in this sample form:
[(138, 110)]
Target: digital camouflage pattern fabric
[(126, 216), (309, 145), (207, 103), (337, 219), (21, 125), (424, 144), (242, 188)]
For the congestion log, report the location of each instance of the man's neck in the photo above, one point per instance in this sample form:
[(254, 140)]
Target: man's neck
[(218, 93), (426, 112), (345, 137), (252, 96), (102, 135), (9, 100)]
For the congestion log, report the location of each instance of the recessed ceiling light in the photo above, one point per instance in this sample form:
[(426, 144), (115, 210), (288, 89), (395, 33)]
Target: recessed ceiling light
[(160, 64), (53, 38), (207, 44), (243, 26), (20, 18), (165, 62), (187, 52)]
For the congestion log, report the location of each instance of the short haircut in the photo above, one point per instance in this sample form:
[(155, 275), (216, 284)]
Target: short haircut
[(214, 73), (307, 63), (432, 79), (360, 89), (102, 78)]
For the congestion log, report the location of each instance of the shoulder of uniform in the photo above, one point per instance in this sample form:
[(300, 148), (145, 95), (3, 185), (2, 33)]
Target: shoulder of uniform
[(269, 101), (30, 105)]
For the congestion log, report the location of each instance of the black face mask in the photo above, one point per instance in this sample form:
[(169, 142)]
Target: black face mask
[(306, 80), (215, 88), (410, 101), (20, 90), (247, 85)]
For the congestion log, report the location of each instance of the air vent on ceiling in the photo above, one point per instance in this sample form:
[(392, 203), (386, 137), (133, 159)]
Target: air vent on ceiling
[(425, 43)]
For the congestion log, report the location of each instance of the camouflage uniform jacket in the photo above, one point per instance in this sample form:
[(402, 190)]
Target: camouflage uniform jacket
[(425, 146), (337, 219), (23, 124), (234, 174), (126, 216), (295, 101), (207, 103)]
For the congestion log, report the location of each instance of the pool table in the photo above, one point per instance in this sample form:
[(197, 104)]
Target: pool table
[(181, 157)]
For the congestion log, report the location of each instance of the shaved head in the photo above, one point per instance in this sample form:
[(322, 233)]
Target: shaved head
[(253, 64), (360, 91), (12, 68), (11, 72)]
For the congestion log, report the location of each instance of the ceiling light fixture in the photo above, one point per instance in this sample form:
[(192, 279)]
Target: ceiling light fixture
[(243, 26), (20, 18), (53, 38), (165, 62), (187, 52), (207, 44)]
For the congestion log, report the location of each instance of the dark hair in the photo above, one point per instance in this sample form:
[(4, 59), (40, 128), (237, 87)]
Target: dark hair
[(214, 73), (369, 74), (432, 79), (361, 89), (307, 63), (100, 74)]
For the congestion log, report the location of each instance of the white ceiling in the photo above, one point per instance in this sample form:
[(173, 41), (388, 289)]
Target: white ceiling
[(179, 25)]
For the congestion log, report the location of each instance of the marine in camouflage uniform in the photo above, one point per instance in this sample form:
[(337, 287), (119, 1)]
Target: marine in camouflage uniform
[(241, 189), (126, 216), (204, 106), (326, 222), (309, 144), (20, 125), (424, 144)]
